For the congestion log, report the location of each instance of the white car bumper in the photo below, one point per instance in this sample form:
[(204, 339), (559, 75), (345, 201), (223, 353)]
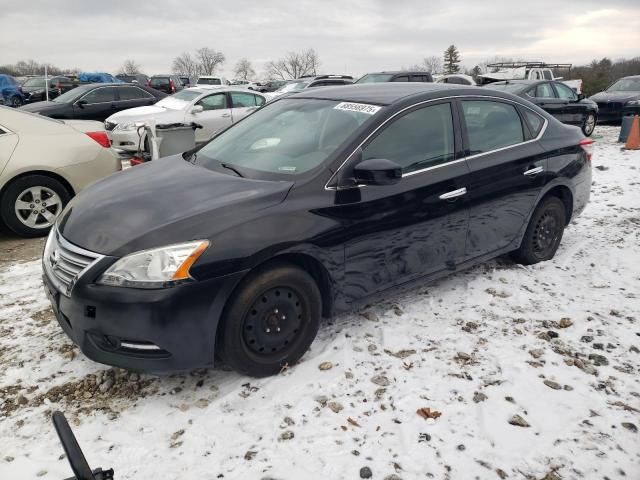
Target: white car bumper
[(124, 139)]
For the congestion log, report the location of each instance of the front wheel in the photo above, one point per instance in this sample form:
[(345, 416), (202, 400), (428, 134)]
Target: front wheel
[(270, 322), (589, 124), (544, 232), (30, 205), (16, 101)]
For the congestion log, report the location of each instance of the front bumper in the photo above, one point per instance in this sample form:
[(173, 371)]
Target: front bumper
[(163, 330)]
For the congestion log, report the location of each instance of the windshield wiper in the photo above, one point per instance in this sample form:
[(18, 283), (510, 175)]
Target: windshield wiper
[(232, 169)]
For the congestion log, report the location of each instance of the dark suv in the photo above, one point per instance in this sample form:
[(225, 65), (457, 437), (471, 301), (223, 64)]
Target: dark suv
[(166, 83), (34, 88), (380, 77), (139, 78)]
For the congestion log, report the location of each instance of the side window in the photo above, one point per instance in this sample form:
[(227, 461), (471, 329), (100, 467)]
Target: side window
[(544, 90), (242, 100), (420, 139), (417, 78), (100, 95), (132, 93), (403, 78), (534, 120), (491, 125), (259, 100), (565, 92), (547, 74), (214, 102)]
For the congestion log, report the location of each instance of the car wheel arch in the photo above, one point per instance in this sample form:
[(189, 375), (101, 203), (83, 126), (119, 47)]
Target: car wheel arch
[(564, 193), (46, 173)]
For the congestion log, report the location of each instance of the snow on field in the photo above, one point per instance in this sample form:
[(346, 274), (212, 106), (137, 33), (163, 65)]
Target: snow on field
[(534, 372)]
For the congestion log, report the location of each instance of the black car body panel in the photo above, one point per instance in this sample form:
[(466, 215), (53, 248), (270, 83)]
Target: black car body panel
[(396, 76), (113, 97), (613, 105), (358, 241)]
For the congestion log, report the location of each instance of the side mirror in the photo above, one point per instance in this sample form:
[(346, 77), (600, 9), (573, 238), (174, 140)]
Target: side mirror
[(377, 171), (197, 109), (82, 103), (581, 96)]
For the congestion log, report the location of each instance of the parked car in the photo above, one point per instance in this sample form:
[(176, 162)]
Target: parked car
[(97, 77), (299, 84), (139, 78), (213, 109), (10, 91), (271, 86), (309, 207), (96, 101), (168, 84), (211, 80), (45, 162), (456, 79), (527, 71), (187, 81), (245, 84), (557, 99), (619, 99), (398, 76), (35, 88)]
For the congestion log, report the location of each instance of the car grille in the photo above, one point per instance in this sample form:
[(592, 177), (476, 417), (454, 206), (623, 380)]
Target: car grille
[(609, 106), (64, 262), (109, 126)]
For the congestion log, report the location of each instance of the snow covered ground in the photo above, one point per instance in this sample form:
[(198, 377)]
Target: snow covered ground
[(556, 344)]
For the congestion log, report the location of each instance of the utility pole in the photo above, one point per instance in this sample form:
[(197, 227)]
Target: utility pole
[(46, 83)]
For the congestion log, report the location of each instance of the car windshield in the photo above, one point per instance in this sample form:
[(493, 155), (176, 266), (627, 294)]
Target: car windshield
[(506, 87), (293, 87), (178, 101), (625, 85), (375, 78), (34, 82), (286, 138), (209, 81), (71, 95)]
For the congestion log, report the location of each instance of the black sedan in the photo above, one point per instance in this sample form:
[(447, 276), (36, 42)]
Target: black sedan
[(556, 98), (96, 101), (307, 208), (620, 99)]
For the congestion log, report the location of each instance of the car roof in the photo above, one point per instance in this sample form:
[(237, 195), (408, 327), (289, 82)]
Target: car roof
[(630, 76), (220, 88), (389, 93), (398, 72)]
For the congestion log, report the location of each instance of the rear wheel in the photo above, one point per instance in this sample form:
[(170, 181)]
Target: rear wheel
[(589, 124), (270, 322), (544, 232), (30, 205), (15, 101)]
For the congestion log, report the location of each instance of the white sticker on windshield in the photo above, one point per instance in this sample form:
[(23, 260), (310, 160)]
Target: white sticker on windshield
[(358, 107)]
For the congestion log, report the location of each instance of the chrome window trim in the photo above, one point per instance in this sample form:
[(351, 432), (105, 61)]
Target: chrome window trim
[(453, 97)]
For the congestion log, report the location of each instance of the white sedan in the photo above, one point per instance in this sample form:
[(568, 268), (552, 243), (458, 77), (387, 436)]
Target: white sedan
[(43, 163), (214, 108)]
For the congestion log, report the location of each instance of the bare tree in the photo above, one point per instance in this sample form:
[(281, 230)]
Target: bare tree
[(130, 67), (185, 65), (244, 70), (294, 65), (433, 64), (208, 60)]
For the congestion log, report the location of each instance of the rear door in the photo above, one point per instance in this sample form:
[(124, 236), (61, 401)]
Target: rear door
[(507, 173), (97, 104), (242, 104), (398, 233), (132, 96), (215, 116)]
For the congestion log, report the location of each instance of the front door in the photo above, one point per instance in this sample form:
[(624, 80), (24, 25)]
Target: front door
[(507, 174), (215, 116), (244, 103), (98, 104), (573, 110), (546, 98), (398, 233)]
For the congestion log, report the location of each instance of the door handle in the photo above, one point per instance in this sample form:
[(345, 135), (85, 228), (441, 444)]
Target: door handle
[(453, 194), (533, 171), (226, 115)]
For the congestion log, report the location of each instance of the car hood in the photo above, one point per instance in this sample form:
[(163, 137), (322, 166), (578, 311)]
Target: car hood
[(43, 106), (163, 202), (144, 113), (615, 96)]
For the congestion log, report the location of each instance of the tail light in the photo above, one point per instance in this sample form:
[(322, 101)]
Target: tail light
[(587, 146), (172, 86), (101, 138), (149, 82)]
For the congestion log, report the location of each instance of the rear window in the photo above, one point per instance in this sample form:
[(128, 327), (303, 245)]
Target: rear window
[(209, 81), (158, 82), (132, 93), (491, 125), (375, 78)]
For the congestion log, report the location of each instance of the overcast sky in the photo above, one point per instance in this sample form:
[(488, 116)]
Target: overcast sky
[(351, 36)]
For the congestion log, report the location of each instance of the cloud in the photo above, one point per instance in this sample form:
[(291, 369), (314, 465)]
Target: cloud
[(351, 37)]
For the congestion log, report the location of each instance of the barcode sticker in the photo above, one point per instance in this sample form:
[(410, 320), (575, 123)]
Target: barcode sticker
[(358, 107)]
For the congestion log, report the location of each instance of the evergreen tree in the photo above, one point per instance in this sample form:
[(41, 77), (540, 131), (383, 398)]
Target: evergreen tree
[(451, 60)]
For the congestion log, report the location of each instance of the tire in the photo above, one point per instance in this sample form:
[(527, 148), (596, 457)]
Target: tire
[(589, 124), (281, 297), (42, 198), (544, 232), (15, 101)]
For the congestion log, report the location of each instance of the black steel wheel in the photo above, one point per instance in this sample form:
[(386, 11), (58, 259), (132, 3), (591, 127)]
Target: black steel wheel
[(544, 232), (270, 322)]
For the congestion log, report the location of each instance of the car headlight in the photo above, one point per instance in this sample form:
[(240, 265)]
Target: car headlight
[(155, 268), (125, 126), (633, 103)]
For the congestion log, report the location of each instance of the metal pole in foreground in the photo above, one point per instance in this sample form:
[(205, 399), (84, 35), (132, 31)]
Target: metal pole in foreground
[(46, 83)]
